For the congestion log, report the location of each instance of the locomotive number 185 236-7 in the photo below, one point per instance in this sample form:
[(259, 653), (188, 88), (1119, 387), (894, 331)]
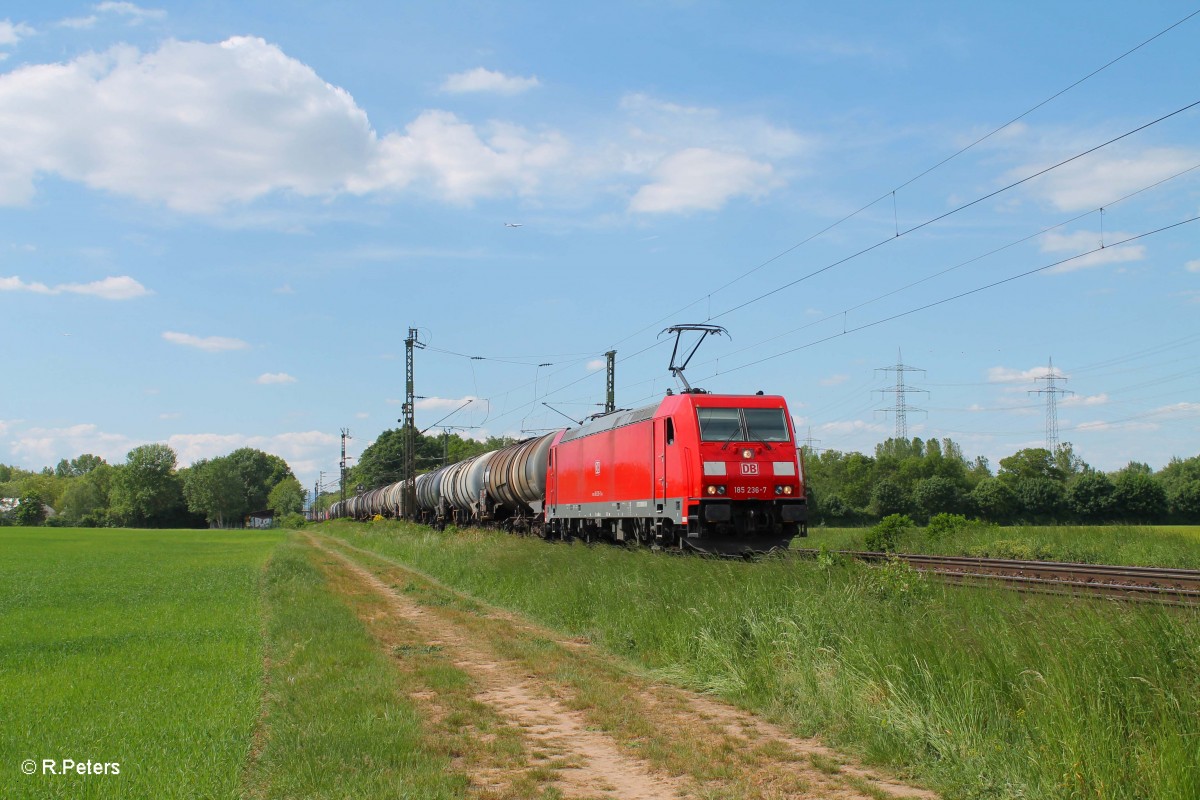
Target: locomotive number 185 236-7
[(749, 490)]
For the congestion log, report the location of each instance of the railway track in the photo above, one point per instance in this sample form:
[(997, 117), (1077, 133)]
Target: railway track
[(1147, 584)]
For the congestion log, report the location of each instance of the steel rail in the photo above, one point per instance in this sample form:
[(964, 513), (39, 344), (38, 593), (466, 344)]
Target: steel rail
[(1178, 586)]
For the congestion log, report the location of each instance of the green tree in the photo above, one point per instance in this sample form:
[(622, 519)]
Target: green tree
[(1032, 462), (31, 510), (1177, 472), (85, 502), (258, 472), (213, 488), (1137, 497), (1090, 497), (1184, 502), (286, 498), (889, 498), (1040, 499), (994, 500), (146, 491), (936, 494)]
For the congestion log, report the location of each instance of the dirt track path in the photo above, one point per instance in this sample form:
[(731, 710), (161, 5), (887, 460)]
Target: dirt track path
[(579, 724)]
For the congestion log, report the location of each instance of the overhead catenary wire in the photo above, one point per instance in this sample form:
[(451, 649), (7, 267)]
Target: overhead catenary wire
[(910, 181), (956, 210), (960, 295), (898, 232)]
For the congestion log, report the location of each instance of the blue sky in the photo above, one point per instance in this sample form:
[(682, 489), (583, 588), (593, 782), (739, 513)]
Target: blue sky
[(218, 221)]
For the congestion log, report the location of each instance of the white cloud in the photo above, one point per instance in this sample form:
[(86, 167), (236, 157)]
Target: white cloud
[(211, 344), (110, 288), (269, 378), (834, 380), (136, 14), (1009, 375), (1192, 266), (1096, 180), (46, 445), (442, 403), (192, 125), (362, 415), (486, 80), (205, 127), (304, 451), (460, 164), (658, 127), (78, 23), (596, 363), (1085, 400), (701, 179), (1085, 241), (11, 33), (852, 426)]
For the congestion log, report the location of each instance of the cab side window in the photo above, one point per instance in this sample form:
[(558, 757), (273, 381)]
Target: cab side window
[(670, 430)]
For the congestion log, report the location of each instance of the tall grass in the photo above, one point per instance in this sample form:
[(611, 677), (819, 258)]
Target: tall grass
[(1133, 545), (979, 692), (141, 648), (336, 723)]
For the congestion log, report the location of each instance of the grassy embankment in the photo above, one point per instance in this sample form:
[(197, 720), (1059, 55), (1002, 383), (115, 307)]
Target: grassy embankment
[(979, 692), (1175, 546), (146, 649)]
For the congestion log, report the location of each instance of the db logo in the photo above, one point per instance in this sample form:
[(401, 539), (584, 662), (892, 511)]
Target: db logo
[(749, 469)]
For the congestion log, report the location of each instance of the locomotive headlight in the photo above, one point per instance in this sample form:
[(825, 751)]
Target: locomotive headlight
[(714, 488), (787, 490), (720, 490), (747, 453), (780, 489)]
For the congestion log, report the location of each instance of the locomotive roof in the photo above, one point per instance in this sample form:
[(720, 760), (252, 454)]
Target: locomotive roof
[(622, 418)]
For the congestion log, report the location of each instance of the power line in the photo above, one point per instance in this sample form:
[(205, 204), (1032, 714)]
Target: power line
[(892, 192), (960, 295), (954, 211)]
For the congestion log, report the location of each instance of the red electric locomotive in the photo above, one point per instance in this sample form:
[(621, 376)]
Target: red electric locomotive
[(710, 472)]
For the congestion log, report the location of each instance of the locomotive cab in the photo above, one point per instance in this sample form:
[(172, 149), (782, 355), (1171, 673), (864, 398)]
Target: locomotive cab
[(750, 492)]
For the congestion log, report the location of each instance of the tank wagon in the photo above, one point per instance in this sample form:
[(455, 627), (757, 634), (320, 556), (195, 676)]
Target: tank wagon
[(709, 472)]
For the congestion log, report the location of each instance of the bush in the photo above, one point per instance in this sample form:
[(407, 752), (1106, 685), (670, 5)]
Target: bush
[(942, 525), (896, 581), (886, 535), (292, 520), (1014, 549)]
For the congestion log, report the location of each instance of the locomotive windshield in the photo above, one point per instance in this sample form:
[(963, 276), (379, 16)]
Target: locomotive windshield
[(742, 425)]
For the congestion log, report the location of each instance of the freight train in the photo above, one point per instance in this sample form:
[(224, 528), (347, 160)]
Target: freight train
[(717, 473)]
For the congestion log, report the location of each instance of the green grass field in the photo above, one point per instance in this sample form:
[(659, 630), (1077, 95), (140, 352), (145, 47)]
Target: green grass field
[(226, 664), (1176, 546), (978, 692), (141, 648), (205, 664)]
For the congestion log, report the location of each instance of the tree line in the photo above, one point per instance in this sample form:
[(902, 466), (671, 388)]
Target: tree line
[(1034, 485), (148, 491)]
